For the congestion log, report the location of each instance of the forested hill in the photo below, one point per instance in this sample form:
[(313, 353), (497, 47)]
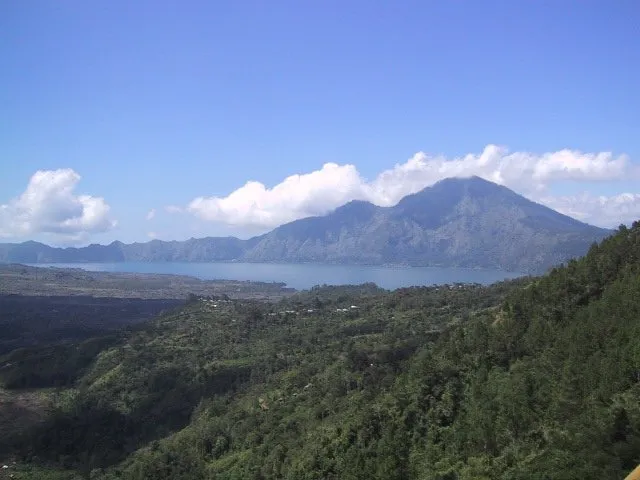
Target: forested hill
[(457, 222), (531, 379)]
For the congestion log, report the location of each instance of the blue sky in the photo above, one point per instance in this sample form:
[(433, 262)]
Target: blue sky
[(130, 107)]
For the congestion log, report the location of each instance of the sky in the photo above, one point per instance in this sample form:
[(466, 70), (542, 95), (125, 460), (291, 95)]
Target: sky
[(164, 119)]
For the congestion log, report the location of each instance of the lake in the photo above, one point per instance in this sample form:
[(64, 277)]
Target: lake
[(304, 276)]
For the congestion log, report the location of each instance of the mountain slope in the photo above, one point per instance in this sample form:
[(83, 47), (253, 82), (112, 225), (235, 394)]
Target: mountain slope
[(456, 222), (465, 222)]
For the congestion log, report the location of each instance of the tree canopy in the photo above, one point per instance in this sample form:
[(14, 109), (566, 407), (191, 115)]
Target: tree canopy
[(537, 378)]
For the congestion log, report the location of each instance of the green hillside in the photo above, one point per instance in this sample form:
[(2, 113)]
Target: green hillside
[(530, 379)]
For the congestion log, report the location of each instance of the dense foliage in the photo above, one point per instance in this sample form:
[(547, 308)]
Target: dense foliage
[(532, 379)]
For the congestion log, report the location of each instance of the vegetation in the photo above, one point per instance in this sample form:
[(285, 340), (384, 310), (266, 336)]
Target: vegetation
[(537, 378)]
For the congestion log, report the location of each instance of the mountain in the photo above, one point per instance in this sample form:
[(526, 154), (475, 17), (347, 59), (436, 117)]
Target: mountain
[(464, 222), (35, 252), (193, 250), (457, 222)]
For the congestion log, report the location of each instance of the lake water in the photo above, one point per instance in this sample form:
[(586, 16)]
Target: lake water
[(304, 276)]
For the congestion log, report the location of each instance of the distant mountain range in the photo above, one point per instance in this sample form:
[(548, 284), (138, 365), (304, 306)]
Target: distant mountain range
[(462, 222)]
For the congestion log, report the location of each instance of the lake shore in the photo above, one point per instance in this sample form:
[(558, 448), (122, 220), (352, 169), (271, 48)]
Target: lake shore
[(16, 279), (302, 276)]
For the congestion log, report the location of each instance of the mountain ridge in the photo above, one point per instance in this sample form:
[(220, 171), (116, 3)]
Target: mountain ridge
[(457, 222)]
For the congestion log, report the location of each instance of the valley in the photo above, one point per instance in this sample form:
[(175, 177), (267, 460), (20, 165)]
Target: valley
[(529, 378), (319, 240)]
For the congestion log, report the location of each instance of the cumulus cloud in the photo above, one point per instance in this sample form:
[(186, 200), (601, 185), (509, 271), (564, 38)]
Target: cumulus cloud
[(522, 171), (604, 211), (318, 192), (151, 214), (297, 196), (49, 205)]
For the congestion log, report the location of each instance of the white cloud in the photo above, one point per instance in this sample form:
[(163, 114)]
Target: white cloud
[(522, 171), (604, 211), (297, 196), (318, 192), (49, 205), (151, 214), (152, 235), (173, 209)]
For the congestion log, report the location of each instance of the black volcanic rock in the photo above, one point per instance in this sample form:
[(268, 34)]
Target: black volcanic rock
[(465, 222)]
